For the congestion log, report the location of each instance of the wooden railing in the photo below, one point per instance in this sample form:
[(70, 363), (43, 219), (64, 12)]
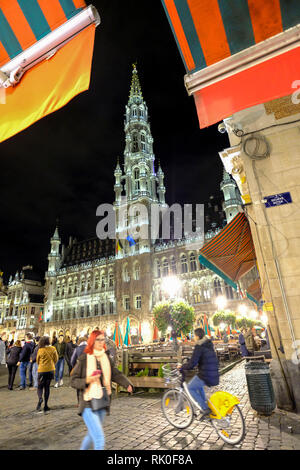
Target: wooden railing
[(152, 356)]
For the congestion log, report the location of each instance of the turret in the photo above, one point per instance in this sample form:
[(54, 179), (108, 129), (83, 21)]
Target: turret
[(232, 200), (54, 255)]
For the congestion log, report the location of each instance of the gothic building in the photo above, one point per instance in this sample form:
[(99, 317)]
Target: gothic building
[(94, 284), (22, 303)]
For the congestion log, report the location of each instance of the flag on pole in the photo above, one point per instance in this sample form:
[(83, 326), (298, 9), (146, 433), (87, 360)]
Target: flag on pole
[(131, 241), (119, 246), (41, 317), (127, 338)]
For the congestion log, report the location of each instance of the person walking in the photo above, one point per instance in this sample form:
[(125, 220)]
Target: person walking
[(46, 359), (249, 341), (244, 350), (24, 360), (3, 341), (205, 358), (70, 347), (34, 364), (12, 361), (81, 345), (60, 347), (92, 376)]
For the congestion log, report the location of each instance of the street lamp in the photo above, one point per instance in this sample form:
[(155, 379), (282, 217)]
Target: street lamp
[(253, 314), (243, 309), (172, 286), (221, 302)]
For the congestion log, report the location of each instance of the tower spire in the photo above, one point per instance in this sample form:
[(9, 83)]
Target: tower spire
[(136, 95)]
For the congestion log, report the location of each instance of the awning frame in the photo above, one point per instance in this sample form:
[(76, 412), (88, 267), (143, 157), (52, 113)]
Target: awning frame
[(12, 72)]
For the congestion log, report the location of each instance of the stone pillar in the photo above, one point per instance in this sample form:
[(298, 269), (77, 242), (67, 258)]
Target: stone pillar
[(265, 161)]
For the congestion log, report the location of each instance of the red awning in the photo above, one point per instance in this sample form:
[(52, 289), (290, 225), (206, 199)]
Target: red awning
[(230, 253), (237, 53)]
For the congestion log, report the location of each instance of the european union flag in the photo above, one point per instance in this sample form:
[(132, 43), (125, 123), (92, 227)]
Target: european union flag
[(131, 240)]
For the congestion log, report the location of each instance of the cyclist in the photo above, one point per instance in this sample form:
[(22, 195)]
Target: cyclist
[(208, 369)]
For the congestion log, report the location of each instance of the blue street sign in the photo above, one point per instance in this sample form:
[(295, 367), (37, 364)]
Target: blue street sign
[(278, 199)]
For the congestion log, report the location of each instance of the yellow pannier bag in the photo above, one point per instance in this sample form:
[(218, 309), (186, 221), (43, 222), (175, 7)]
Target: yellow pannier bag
[(221, 404)]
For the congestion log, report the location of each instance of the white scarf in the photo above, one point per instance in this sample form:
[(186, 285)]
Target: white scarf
[(94, 390)]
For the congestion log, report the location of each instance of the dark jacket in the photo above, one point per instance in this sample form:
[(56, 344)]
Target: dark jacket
[(26, 351), (61, 349), (249, 341), (77, 353), (69, 351), (34, 353), (208, 365), (78, 378), (13, 355), (244, 349)]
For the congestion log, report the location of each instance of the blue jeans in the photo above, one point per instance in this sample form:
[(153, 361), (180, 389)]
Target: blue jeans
[(23, 370), (35, 374), (59, 369), (196, 389), (95, 435)]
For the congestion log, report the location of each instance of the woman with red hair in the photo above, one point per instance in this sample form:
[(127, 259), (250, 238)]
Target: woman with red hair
[(92, 376)]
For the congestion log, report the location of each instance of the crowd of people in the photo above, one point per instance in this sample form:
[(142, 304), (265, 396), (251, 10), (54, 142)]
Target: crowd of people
[(90, 360)]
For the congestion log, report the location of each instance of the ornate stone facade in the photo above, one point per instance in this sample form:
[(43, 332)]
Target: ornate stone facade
[(91, 284)]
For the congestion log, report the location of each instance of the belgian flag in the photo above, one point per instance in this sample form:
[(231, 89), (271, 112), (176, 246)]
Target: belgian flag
[(119, 246)]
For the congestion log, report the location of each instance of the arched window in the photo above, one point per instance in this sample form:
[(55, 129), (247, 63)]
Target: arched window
[(111, 279), (126, 277), (173, 265), (97, 281), (217, 287), (143, 142), (70, 284), (134, 112), (103, 281), (157, 268), (137, 271), (229, 292), (136, 174), (82, 284), (57, 289), (135, 144), (165, 267), (193, 263), (183, 261), (89, 283)]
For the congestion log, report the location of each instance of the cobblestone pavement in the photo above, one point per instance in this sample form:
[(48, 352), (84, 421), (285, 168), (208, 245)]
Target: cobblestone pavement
[(135, 422)]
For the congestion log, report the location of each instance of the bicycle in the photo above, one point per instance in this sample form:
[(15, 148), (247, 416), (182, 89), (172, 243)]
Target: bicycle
[(180, 408)]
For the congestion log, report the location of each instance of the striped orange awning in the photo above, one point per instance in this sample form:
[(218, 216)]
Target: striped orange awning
[(255, 290), (48, 84), (209, 32), (230, 253)]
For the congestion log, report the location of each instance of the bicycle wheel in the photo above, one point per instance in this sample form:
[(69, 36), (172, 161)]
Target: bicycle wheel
[(177, 409), (231, 428)]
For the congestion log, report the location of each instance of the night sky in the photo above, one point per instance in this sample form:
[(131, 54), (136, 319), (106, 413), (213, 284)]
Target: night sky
[(62, 167)]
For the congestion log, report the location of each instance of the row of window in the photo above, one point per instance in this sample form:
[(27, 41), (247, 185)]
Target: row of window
[(136, 272), (19, 312), (166, 267), (85, 311), (137, 302), (85, 285)]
